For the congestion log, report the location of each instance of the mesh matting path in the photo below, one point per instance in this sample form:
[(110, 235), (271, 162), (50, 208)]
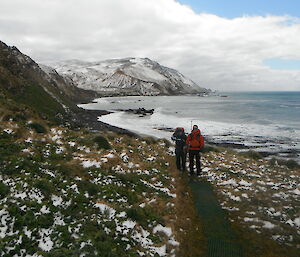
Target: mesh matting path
[(222, 242)]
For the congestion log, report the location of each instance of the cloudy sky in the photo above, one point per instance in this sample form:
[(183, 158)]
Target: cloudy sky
[(236, 46)]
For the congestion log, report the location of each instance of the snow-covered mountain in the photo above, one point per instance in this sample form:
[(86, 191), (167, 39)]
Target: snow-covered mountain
[(129, 76)]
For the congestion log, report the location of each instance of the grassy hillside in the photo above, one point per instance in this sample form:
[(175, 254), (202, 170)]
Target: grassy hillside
[(76, 193), (23, 81), (72, 192)]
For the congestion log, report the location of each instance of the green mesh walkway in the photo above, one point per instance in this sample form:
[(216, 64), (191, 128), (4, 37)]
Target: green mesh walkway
[(222, 242)]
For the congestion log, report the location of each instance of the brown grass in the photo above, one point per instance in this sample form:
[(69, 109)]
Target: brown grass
[(187, 226), (259, 245)]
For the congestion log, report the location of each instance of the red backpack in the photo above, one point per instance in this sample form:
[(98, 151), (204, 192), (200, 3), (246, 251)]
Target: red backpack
[(195, 142)]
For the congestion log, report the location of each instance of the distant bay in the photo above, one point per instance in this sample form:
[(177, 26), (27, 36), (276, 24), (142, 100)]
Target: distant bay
[(267, 122)]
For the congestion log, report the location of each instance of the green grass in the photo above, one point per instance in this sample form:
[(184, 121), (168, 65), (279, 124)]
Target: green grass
[(291, 164), (37, 127), (143, 215), (209, 148), (149, 140), (46, 187), (4, 190), (36, 97), (102, 142), (166, 142), (35, 169), (252, 155), (87, 186)]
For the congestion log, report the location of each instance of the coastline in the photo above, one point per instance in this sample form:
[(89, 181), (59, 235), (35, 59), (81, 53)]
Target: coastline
[(238, 147), (267, 139), (89, 119)]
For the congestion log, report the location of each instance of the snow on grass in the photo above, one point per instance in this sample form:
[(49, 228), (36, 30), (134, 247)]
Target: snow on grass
[(166, 230), (71, 143), (4, 218), (90, 163), (254, 188), (296, 191), (124, 157), (56, 200), (229, 182), (29, 140), (159, 188), (297, 222), (109, 155), (268, 225), (45, 242), (8, 131), (126, 227), (70, 193), (105, 209)]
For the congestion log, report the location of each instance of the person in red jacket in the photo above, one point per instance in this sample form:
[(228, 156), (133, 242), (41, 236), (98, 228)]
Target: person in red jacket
[(195, 143)]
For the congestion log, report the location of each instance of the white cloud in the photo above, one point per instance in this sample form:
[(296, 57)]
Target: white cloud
[(215, 52)]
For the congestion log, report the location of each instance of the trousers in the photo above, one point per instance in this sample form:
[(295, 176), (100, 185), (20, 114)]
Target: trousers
[(180, 160), (194, 154)]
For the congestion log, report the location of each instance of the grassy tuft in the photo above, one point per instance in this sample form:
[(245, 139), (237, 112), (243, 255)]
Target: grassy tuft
[(291, 164), (143, 215), (86, 186), (252, 155), (4, 190), (102, 142), (149, 140), (209, 148), (166, 142), (45, 186), (37, 127)]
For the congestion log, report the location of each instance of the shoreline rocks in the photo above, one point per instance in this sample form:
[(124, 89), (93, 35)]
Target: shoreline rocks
[(140, 111)]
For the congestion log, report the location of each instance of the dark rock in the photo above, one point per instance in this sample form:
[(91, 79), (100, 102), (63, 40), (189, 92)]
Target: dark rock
[(140, 111)]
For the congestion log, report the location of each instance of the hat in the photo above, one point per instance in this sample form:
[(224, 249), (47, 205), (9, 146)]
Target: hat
[(180, 128)]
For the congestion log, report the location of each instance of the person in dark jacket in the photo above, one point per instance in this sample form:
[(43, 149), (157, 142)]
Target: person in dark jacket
[(195, 143), (180, 150)]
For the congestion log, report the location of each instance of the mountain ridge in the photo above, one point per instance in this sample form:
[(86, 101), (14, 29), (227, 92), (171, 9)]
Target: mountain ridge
[(26, 87), (127, 76)]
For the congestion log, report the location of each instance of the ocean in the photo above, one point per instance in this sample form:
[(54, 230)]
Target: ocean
[(267, 122)]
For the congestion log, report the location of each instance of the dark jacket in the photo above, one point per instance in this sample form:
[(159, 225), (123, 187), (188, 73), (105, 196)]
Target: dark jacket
[(180, 138)]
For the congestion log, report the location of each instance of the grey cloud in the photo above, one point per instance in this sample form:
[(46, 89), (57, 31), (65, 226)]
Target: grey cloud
[(215, 52)]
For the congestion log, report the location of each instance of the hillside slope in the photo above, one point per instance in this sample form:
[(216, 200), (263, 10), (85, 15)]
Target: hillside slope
[(23, 81), (76, 193), (128, 76)]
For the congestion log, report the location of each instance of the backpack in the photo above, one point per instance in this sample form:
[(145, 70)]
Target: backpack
[(196, 142)]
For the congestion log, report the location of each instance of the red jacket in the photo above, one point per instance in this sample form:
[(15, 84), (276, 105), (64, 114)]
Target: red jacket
[(195, 140)]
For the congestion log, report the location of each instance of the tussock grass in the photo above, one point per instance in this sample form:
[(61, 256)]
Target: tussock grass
[(166, 142), (102, 142), (260, 199), (37, 127), (134, 176), (252, 155), (4, 190), (291, 164), (209, 148), (149, 140), (46, 187)]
